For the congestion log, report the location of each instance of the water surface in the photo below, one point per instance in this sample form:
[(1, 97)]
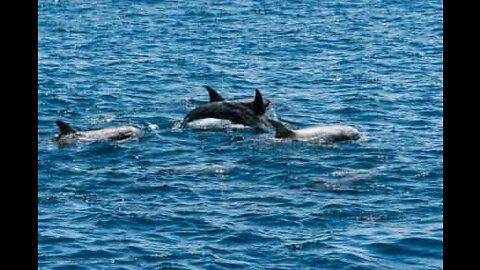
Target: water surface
[(219, 200)]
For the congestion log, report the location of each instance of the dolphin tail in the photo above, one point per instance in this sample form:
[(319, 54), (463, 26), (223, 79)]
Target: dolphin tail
[(214, 96), (281, 131), (65, 128)]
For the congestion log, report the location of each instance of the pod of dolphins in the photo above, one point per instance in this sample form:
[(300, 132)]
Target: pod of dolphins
[(242, 113)]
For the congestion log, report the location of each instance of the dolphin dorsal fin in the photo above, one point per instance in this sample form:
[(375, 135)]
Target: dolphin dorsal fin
[(281, 131), (214, 96), (65, 128), (258, 106)]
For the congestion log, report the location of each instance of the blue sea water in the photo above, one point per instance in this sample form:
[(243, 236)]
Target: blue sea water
[(185, 199)]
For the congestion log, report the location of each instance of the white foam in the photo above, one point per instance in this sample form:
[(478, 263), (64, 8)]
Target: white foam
[(152, 126), (218, 169)]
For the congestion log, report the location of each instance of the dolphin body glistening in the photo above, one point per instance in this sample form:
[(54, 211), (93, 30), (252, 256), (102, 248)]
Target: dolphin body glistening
[(68, 135), (240, 112)]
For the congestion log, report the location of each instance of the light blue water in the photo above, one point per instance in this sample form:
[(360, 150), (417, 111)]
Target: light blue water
[(218, 200)]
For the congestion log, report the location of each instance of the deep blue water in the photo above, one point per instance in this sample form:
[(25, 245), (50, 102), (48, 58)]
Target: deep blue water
[(185, 199)]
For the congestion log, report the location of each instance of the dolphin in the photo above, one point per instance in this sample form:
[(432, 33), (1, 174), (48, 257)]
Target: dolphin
[(320, 134), (240, 112), (215, 97), (68, 135)]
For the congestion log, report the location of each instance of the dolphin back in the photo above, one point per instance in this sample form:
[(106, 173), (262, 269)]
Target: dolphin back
[(64, 128), (281, 131), (68, 135), (214, 96)]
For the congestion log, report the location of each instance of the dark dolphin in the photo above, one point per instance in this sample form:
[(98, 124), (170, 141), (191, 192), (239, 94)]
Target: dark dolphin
[(68, 135), (215, 97), (247, 113)]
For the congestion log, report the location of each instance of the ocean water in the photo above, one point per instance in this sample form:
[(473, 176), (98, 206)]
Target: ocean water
[(186, 199)]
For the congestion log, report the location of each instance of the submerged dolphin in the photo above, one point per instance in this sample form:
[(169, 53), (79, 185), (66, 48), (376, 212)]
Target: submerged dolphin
[(321, 134), (242, 112), (69, 135)]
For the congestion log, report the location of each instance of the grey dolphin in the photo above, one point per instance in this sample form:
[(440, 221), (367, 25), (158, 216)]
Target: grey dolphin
[(68, 135), (247, 113), (322, 134)]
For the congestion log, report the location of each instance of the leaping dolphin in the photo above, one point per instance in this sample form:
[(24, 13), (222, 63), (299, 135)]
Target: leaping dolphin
[(320, 134), (68, 135), (241, 112)]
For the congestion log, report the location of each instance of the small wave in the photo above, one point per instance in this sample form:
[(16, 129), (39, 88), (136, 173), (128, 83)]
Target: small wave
[(247, 238), (215, 169), (351, 175), (101, 119), (152, 127), (176, 125), (410, 247), (349, 110), (308, 245), (362, 138)]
